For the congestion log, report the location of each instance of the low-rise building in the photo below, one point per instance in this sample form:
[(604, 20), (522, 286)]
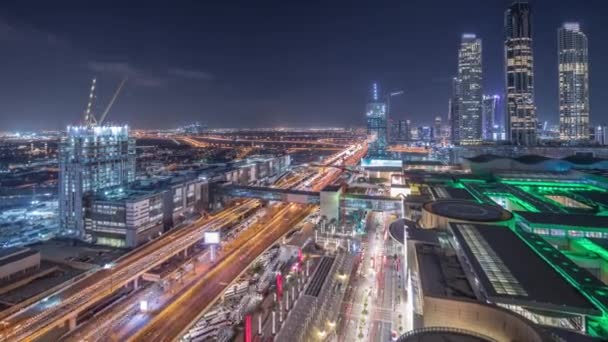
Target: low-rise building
[(16, 261), (129, 217)]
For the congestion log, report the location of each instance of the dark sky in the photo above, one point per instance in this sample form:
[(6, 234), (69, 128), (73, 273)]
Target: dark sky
[(266, 63)]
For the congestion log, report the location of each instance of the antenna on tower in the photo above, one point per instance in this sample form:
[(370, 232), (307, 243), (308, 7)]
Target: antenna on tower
[(89, 118)]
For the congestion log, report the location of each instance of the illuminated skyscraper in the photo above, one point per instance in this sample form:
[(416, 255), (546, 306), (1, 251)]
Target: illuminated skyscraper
[(467, 93), (573, 83), (437, 128), (91, 158), (491, 125), (404, 130), (377, 124), (520, 113), (454, 109)]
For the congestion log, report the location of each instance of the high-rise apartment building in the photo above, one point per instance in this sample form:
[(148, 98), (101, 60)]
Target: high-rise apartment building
[(466, 116), (91, 158), (377, 124), (573, 71), (521, 120)]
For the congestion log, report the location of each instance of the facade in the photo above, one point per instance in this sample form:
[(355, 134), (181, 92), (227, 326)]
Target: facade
[(376, 115), (404, 130), (124, 220), (454, 108), (573, 83), (91, 158), (601, 135), (437, 128), (521, 120), (127, 218), (17, 261), (491, 125), (425, 133), (467, 120)]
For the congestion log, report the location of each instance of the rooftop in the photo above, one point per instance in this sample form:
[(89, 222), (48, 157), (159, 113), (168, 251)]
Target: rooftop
[(563, 219), (399, 227), (468, 211), (511, 272), (16, 255), (441, 275)]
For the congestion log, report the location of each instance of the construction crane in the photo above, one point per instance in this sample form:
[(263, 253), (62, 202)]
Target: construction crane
[(89, 118)]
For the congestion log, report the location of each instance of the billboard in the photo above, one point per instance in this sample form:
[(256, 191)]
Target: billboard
[(212, 238)]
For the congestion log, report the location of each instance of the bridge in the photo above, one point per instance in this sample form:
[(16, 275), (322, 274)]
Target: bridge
[(331, 198), (352, 169)]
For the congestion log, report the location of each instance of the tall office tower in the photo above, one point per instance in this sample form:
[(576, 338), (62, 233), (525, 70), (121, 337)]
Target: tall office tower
[(520, 110), (455, 109), (490, 122), (401, 130), (91, 158), (437, 128), (393, 129), (377, 124), (573, 83), (467, 118)]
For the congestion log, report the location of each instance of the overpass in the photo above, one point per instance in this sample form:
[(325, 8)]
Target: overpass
[(331, 198), (70, 302)]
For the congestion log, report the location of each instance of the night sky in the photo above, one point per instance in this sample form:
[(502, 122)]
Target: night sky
[(267, 63)]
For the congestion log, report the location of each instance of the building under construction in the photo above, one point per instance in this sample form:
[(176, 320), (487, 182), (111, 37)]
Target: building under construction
[(92, 157)]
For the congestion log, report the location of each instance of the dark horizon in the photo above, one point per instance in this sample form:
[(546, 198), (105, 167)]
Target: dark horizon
[(275, 64)]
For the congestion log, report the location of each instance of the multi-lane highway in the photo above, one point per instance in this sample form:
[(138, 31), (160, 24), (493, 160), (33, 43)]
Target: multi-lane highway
[(177, 317), (38, 319)]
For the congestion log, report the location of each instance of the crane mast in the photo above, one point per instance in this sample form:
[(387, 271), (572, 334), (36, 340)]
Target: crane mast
[(89, 118)]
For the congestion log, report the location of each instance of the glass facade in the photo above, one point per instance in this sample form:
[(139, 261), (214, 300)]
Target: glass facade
[(91, 158), (492, 125), (573, 83), (522, 123), (376, 115), (467, 114)]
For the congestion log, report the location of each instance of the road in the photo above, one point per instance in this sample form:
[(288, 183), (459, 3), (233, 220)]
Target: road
[(36, 320), (176, 317), (375, 300)]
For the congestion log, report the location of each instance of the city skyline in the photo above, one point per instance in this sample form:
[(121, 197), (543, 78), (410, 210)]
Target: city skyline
[(226, 84), (289, 171)]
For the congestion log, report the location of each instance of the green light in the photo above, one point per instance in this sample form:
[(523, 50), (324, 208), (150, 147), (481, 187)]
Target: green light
[(597, 324), (557, 185), (592, 247), (499, 198)]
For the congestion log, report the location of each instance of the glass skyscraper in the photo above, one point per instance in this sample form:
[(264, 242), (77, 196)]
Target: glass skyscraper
[(491, 125), (91, 158), (377, 124), (467, 93), (573, 83), (519, 69)]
